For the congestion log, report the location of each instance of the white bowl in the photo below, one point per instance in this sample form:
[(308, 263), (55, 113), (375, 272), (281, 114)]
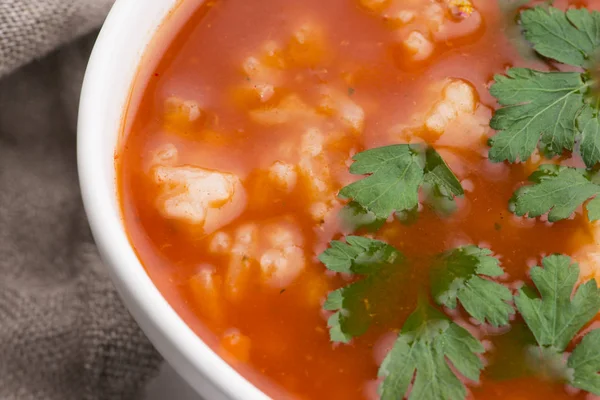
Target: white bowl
[(106, 92)]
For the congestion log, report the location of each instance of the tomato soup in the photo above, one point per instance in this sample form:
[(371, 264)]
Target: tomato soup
[(245, 125)]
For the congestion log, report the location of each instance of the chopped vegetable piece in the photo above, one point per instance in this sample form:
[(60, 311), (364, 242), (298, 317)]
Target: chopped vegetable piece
[(558, 191), (456, 277), (554, 316), (373, 259), (428, 342), (395, 174)]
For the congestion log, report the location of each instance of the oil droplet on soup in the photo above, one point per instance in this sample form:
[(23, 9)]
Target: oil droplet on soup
[(242, 138)]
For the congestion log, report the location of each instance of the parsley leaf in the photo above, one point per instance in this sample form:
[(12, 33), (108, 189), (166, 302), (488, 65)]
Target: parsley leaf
[(456, 277), (538, 107), (558, 191), (593, 209), (589, 125), (550, 110), (440, 177), (395, 175), (585, 363), (373, 259), (570, 37), (427, 343), (554, 316), (557, 316)]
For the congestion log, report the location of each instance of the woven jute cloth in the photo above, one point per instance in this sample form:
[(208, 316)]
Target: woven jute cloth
[(64, 333)]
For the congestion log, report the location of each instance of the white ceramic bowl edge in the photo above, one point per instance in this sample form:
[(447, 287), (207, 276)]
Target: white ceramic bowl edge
[(112, 68)]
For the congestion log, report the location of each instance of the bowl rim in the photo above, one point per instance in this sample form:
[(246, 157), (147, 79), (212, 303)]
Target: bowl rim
[(178, 344)]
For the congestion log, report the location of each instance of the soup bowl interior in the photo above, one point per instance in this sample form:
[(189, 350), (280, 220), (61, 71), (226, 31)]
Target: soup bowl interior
[(105, 97)]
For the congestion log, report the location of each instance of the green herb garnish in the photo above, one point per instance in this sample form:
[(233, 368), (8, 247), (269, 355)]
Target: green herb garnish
[(457, 276), (550, 110), (556, 315), (541, 109), (558, 191), (570, 37), (585, 363), (395, 175), (553, 316), (372, 259), (428, 342)]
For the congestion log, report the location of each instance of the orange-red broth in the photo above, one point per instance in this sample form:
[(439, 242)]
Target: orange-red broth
[(198, 107)]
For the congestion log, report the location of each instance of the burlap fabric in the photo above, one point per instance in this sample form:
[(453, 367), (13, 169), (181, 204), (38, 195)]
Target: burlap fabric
[(63, 331)]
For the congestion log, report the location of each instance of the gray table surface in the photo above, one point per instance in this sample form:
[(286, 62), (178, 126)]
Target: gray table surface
[(169, 385)]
